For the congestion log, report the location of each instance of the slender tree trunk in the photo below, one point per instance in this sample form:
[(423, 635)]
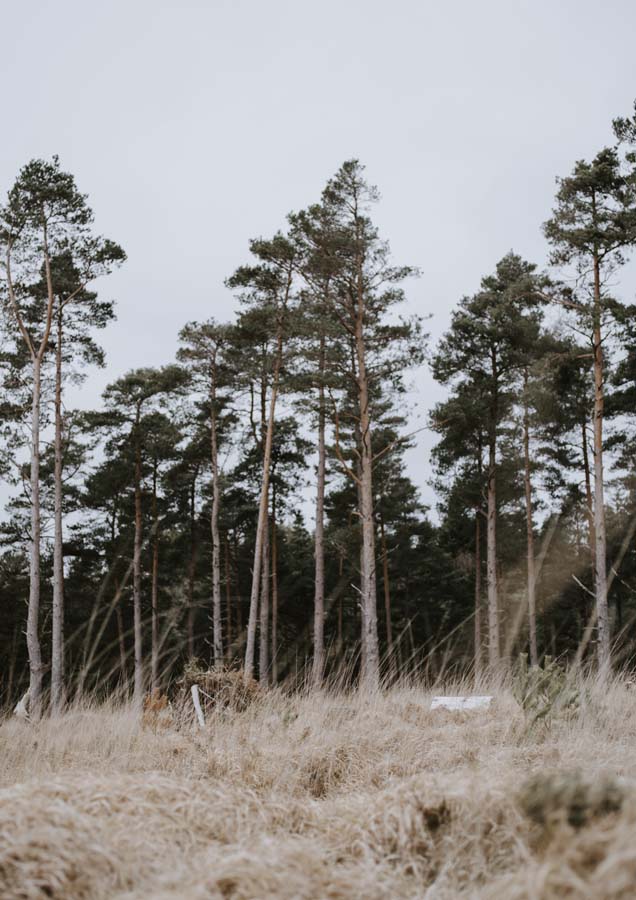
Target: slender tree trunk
[(37, 355), (217, 636), (589, 503), (122, 643), (154, 651), (237, 581), (139, 672), (33, 614), (387, 598), (263, 655), (57, 624), (261, 527), (532, 601), (191, 569), (228, 597), (371, 655), (318, 667), (274, 542), (478, 625), (600, 580), (491, 559)]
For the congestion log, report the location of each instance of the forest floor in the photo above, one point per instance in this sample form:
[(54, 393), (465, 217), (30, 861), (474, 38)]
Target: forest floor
[(322, 796)]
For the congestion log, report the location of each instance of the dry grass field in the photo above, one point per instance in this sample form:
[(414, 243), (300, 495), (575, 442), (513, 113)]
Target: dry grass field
[(322, 796)]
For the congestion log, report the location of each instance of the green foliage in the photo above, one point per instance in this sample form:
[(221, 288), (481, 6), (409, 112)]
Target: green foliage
[(544, 692)]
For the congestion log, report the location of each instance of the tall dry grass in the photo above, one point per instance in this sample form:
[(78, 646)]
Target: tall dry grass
[(315, 796)]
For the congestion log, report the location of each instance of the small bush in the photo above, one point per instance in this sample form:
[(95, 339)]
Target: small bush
[(544, 692), (222, 688)]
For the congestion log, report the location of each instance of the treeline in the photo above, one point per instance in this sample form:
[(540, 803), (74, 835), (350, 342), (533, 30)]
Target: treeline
[(167, 525)]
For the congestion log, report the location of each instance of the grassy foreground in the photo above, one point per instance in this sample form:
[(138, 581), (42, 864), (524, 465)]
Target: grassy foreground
[(319, 796)]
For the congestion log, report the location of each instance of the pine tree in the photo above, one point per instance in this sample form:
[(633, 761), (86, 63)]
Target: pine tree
[(593, 223), (45, 217)]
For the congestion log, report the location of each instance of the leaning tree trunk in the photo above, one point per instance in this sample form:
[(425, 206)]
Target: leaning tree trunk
[(532, 600), (318, 667), (139, 674), (57, 622), (33, 613), (217, 635), (602, 613)]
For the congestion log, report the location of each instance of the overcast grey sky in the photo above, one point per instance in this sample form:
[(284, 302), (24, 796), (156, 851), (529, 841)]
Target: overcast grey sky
[(193, 126)]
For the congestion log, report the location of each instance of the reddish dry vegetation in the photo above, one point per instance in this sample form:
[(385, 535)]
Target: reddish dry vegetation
[(321, 796)]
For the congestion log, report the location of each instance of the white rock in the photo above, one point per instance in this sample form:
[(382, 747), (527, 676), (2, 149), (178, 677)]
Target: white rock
[(461, 702)]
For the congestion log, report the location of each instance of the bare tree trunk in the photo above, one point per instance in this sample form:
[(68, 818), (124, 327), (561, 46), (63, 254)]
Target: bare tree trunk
[(588, 495), (33, 614), (263, 656), (478, 625), (191, 568), (387, 599), (139, 672), (371, 655), (491, 560), (122, 644), (37, 355), (57, 624), (263, 510), (228, 596), (274, 542), (217, 636), (154, 651), (532, 601), (318, 667), (602, 613)]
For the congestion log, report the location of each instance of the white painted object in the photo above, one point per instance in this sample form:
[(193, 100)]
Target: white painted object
[(461, 702), (197, 704), (22, 707)]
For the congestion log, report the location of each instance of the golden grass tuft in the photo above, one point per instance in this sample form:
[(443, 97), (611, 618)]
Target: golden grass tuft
[(321, 796)]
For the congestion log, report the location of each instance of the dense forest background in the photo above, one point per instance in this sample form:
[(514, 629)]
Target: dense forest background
[(171, 523)]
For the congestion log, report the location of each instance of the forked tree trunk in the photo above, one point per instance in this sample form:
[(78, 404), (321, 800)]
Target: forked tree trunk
[(531, 574), (139, 673), (217, 634), (602, 613), (318, 666), (57, 622)]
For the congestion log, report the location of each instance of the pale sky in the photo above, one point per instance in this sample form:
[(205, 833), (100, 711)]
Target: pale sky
[(195, 126)]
